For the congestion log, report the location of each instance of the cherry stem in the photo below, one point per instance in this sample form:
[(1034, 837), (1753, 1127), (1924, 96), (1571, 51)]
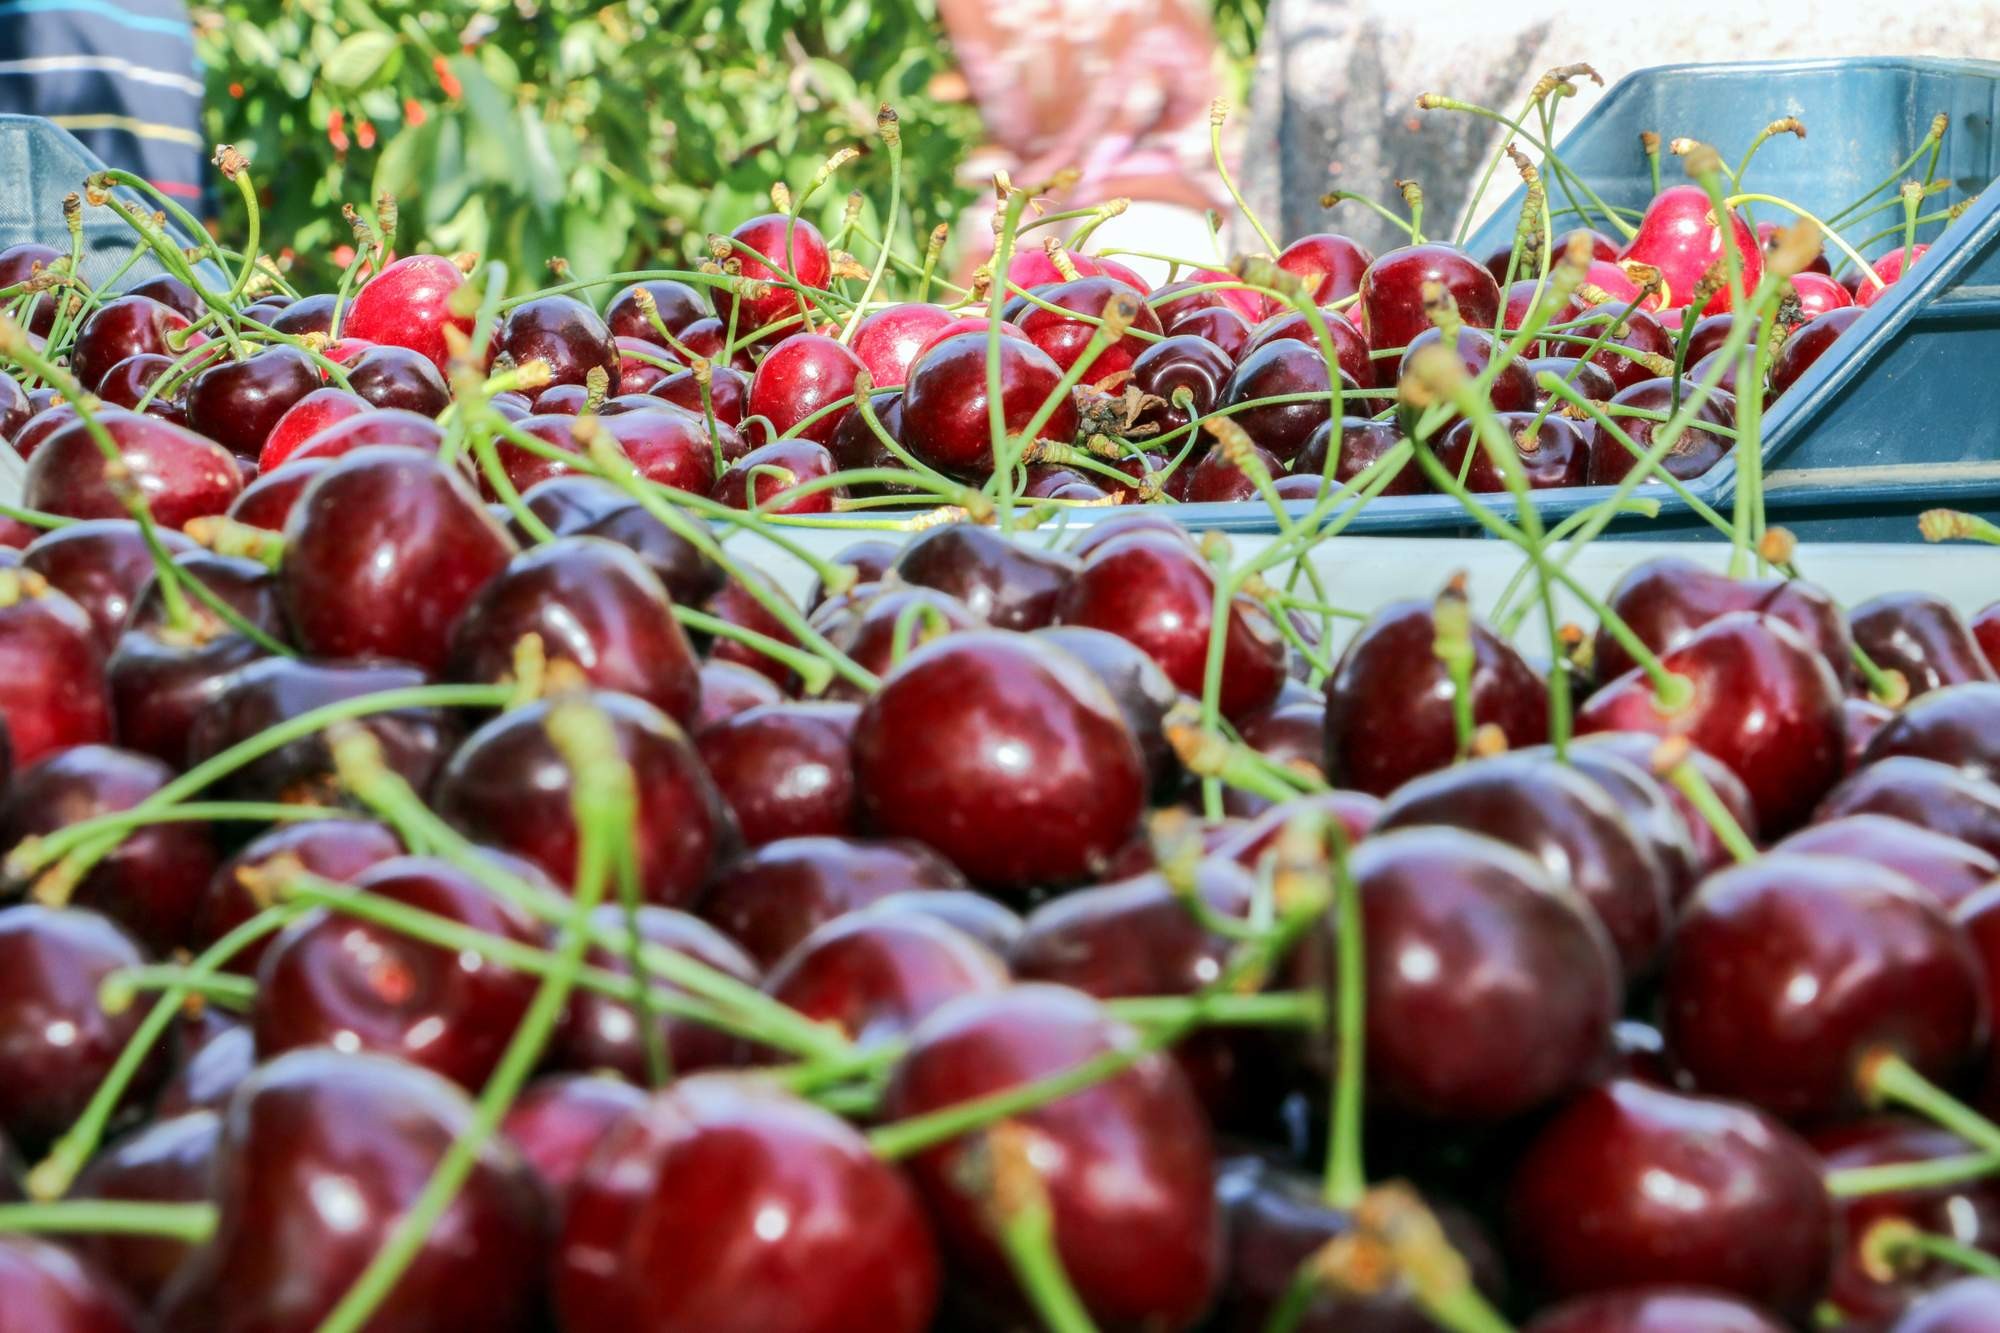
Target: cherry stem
[(1825, 230), (1540, 143), (892, 138), (1858, 1182), (117, 991), (1674, 761), (1346, 1172), (1024, 1224), (1218, 113), (814, 672), (1893, 1245), (1451, 644), (1930, 144), (193, 1223), (1886, 1077), (1943, 525)]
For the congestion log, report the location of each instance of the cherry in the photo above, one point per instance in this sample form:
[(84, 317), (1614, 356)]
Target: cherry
[(1965, 1306), (1636, 330), (780, 892), (1808, 344), (733, 603), (1925, 793), (336, 849), (1292, 735), (1221, 325), (856, 445), (1947, 870), (888, 341), (44, 423), (978, 324), (1922, 636), (398, 377), (322, 1154), (1692, 454), (1146, 1255), (1954, 725), (729, 688), (308, 314), (1389, 710), (100, 564), (677, 304), (800, 376), (1816, 294), (49, 1289), (600, 1033), (1889, 268), (1680, 236), (1761, 700), (271, 690), (121, 327), (15, 408), (60, 1041), (597, 609), (784, 770), (1602, 249), (52, 692), (1217, 477), (1356, 812), (1141, 690), (20, 262), (1392, 292), (1156, 591), (1631, 1184), (706, 338), (1177, 300), (399, 532), (810, 266), (1331, 265), (873, 976), (765, 479), (1007, 584), (671, 447), (575, 505), (237, 403), (151, 882), (1635, 752), (126, 383), (409, 304), (1183, 361), (945, 420), (1362, 441), (1665, 600), (1555, 453), (1513, 389), (558, 1121), (306, 418), (1275, 369), (566, 334), (380, 428), (1885, 967), (1865, 718), (1018, 731), (507, 786), (1064, 339), (1654, 1310), (168, 1161), (182, 475)]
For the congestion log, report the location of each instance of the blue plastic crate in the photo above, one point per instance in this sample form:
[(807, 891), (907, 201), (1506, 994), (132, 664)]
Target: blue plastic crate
[(1900, 416)]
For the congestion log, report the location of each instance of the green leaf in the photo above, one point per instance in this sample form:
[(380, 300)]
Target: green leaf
[(358, 59)]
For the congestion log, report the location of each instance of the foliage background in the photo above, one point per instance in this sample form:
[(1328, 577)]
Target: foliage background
[(614, 134)]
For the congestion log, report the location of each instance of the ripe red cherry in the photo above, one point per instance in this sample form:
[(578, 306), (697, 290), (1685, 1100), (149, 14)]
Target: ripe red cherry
[(1665, 600), (304, 419), (100, 564), (1693, 453), (1923, 792), (566, 334), (400, 378), (964, 324), (1554, 454), (677, 304), (945, 422), (1817, 294), (582, 506), (1220, 324), (600, 1033), (597, 608), (332, 849), (236, 403), (1762, 701), (20, 262), (799, 377), (45, 422), (1513, 388), (126, 383), (1808, 344), (1006, 584), (1217, 477), (1331, 265), (1360, 442), (1143, 1256), (1953, 726), (1922, 636), (1680, 236), (767, 478), (784, 769), (779, 893), (728, 688), (1947, 870), (121, 327), (1636, 751), (1638, 330), (169, 1161), (1632, 1184), (1141, 690), (730, 1207), (1389, 705), (1014, 729), (1155, 591), (408, 304), (52, 691), (810, 266), (181, 474), (1654, 1310), (1889, 268), (734, 603), (873, 976), (1182, 361), (1064, 339), (1274, 370), (49, 1289), (1392, 292), (558, 1121), (322, 1154), (508, 787), (396, 531), (15, 408), (382, 428), (888, 341)]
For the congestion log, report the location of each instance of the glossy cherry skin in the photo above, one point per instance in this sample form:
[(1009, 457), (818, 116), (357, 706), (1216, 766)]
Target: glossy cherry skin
[(168, 1161), (1954, 725), (766, 479), (1513, 388), (1921, 635), (52, 691), (1332, 265), (1969, 1305), (597, 609), (1735, 1201), (1020, 732), (887, 342), (1278, 368), (784, 769), (181, 474), (1947, 870), (382, 427), (15, 408), (507, 786), (810, 266), (396, 531), (1809, 344), (1887, 970), (1389, 704), (150, 883), (1563, 820), (1141, 690), (798, 378), (1762, 701), (734, 603), (45, 422), (1889, 267), (331, 980), (20, 262), (47, 1288), (1638, 330), (126, 383), (1680, 236), (558, 1121), (1695, 452), (1183, 361), (59, 1042), (1009, 585), (1220, 325), (600, 1033), (1218, 478), (1361, 442), (1155, 591), (1924, 792), (100, 564), (1986, 631), (408, 304), (1555, 454), (321, 1154), (945, 421), (338, 850), (306, 418), (121, 327), (1126, 1163), (236, 403), (671, 1226), (583, 506), (400, 378), (1175, 301), (1654, 1310), (873, 976), (781, 892), (1064, 339), (729, 688), (1392, 296), (1664, 601), (565, 333)]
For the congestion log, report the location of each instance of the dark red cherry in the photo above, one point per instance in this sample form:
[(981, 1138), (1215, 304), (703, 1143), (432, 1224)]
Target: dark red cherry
[(100, 564), (565, 333), (1923, 792), (20, 262), (729, 688), (322, 1154), (967, 911), (1693, 453), (1182, 361), (597, 609), (777, 238), (1389, 708), (879, 628), (945, 419), (873, 976), (151, 882), (1008, 584), (600, 1033), (1761, 700), (44, 423), (732, 1207), (558, 1121), (1947, 870), (734, 603), (779, 893), (856, 445), (1808, 344), (1064, 339), (1921, 635), (182, 475), (669, 446), (1636, 751), (1513, 388), (1587, 378), (121, 327), (1632, 1184), (1665, 600), (784, 769), (1865, 719), (15, 409), (1362, 441), (1520, 301), (400, 378), (1392, 292), (508, 787), (1141, 690), (47, 1288), (1175, 301), (1654, 1310), (798, 378), (338, 850), (1020, 732), (1156, 591), (128, 382), (677, 304), (52, 690), (308, 314), (1638, 331), (1291, 735), (60, 1041), (1273, 370), (1529, 263), (870, 559), (1142, 1256), (1217, 477), (1887, 970), (766, 479), (237, 403), (399, 532), (169, 1161), (1220, 325), (708, 337), (1552, 451), (1955, 725)]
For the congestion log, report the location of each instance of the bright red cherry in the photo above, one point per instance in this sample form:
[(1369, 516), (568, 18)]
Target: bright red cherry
[(945, 422), (1889, 268), (182, 475), (809, 266), (1392, 292), (1064, 338), (1679, 235), (784, 769), (52, 687), (1331, 265), (800, 376), (889, 341), (304, 419), (408, 304), (384, 428)]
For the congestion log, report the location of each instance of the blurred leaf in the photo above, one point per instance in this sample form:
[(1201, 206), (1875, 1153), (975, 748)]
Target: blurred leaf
[(358, 59)]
